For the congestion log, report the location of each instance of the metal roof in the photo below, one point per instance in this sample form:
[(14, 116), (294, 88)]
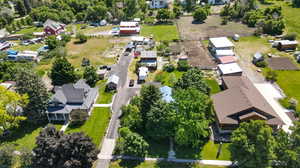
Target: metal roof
[(221, 42)]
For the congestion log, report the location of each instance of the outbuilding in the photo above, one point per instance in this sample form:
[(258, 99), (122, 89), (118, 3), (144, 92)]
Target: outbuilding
[(230, 69), (220, 43), (112, 82), (143, 73), (286, 45)]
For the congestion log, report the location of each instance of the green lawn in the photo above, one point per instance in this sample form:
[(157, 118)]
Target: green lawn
[(214, 86), (31, 47), (152, 164), (104, 97), (289, 82), (30, 30), (167, 78), (24, 136), (95, 126), (160, 32)]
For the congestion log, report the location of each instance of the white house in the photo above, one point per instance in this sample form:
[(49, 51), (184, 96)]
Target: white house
[(143, 73), (158, 4)]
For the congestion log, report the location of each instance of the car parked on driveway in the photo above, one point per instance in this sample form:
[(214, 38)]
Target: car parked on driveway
[(131, 83)]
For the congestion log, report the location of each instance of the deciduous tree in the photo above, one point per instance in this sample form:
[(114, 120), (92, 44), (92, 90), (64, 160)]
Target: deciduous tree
[(90, 76), (62, 72)]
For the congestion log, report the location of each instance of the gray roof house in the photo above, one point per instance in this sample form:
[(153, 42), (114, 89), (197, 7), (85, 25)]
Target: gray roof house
[(71, 97)]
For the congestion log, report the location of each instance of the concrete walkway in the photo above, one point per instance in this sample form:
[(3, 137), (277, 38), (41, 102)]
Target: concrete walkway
[(64, 127), (205, 162), (102, 105)]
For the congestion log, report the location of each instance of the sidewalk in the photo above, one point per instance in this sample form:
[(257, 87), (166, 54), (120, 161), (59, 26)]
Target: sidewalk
[(205, 162)]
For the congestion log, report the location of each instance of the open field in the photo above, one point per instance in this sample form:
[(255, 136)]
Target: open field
[(91, 30), (30, 30), (92, 50), (31, 47), (95, 126), (160, 32), (211, 28), (24, 136), (149, 164)]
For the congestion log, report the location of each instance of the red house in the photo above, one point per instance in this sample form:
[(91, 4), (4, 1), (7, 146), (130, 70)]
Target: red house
[(129, 28), (53, 28)]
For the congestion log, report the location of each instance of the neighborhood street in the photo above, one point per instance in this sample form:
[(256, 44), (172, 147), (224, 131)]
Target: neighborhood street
[(121, 98)]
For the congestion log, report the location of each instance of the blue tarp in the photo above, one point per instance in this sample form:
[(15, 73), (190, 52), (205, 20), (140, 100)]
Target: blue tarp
[(12, 52), (166, 92)]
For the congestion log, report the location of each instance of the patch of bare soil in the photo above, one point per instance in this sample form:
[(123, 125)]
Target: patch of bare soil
[(282, 63)]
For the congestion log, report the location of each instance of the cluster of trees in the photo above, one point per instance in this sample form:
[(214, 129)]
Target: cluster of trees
[(268, 21), (185, 120), (201, 13), (54, 149), (254, 144), (296, 3)]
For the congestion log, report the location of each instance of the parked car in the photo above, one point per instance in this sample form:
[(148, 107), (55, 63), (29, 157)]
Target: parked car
[(108, 68), (126, 53), (103, 67), (131, 83)]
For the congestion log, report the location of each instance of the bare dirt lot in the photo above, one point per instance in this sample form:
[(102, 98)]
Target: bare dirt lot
[(211, 28), (198, 55), (282, 63)]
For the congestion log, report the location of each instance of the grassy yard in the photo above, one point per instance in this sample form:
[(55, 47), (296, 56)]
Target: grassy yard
[(167, 78), (95, 126), (160, 32), (289, 82), (24, 136), (91, 30), (92, 49), (152, 164), (214, 86), (104, 97), (30, 30), (31, 47)]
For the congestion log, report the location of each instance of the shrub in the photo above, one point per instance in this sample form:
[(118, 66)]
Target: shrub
[(225, 20), (290, 36), (159, 77), (271, 75), (169, 67), (200, 15), (78, 117), (183, 65), (81, 37), (261, 64)]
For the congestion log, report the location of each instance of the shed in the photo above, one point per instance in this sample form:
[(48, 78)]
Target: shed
[(166, 92), (101, 73), (143, 73), (227, 59), (112, 82), (230, 69)]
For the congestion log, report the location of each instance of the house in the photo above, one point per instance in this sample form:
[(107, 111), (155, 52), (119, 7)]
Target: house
[(230, 69), (166, 92), (240, 102), (154, 4), (129, 28), (149, 59), (53, 28), (143, 73), (24, 56), (70, 97), (284, 45), (218, 2), (220, 43), (5, 45), (112, 82)]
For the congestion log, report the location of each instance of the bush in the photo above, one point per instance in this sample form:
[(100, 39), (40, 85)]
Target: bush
[(200, 15), (169, 67), (296, 3), (290, 36), (261, 64), (183, 65), (225, 20), (81, 37), (149, 20), (78, 117), (27, 36), (159, 77), (271, 75)]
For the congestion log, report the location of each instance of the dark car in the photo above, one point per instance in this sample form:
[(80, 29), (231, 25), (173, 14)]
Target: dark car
[(126, 53), (103, 67), (131, 83), (108, 68)]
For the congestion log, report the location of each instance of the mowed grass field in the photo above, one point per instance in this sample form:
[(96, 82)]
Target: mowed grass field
[(95, 126), (24, 136), (92, 49), (160, 32), (152, 164)]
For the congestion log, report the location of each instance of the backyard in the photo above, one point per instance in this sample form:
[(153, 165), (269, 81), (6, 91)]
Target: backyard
[(104, 97), (152, 164), (160, 32), (24, 136), (95, 126)]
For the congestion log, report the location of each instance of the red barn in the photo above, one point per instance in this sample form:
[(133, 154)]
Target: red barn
[(128, 28), (53, 28)]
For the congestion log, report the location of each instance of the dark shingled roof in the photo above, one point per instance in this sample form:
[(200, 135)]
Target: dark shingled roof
[(242, 100)]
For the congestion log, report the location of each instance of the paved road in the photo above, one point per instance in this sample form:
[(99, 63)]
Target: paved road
[(121, 98)]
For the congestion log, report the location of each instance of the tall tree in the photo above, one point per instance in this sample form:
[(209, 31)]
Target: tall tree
[(253, 145), (163, 15), (28, 82), (90, 76), (9, 104), (131, 117), (62, 72), (161, 121), (193, 78), (200, 15), (130, 8), (193, 116), (150, 94), (6, 156), (20, 7), (57, 150)]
